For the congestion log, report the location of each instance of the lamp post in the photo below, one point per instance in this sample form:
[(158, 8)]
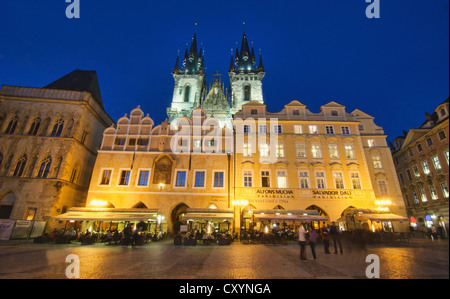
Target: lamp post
[(237, 220)]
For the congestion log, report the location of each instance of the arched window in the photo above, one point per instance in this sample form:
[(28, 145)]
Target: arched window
[(12, 125), (20, 166), (35, 126), (247, 93), (44, 169), (57, 128), (187, 92)]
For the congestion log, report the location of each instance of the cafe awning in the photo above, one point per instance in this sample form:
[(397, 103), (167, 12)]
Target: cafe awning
[(108, 214), (208, 214), (286, 215), (380, 217)]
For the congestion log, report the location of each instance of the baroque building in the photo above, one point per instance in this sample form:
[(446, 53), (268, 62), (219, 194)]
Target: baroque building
[(48, 144), (421, 158), (222, 161)]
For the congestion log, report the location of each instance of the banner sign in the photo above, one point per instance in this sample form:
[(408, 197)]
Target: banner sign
[(6, 227)]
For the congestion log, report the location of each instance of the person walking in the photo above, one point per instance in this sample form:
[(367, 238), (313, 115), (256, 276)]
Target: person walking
[(312, 242), (336, 237), (326, 242), (302, 241)]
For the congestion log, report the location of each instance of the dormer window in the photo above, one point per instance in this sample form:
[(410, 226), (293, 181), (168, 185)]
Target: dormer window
[(334, 113), (443, 112)]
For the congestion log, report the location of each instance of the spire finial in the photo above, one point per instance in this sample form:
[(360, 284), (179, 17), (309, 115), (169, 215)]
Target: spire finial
[(195, 27), (243, 25)]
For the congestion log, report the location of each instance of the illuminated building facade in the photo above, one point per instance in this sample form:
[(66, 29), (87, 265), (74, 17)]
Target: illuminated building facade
[(49, 139), (422, 159)]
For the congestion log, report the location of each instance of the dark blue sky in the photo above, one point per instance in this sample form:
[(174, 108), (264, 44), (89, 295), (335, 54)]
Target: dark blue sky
[(394, 68)]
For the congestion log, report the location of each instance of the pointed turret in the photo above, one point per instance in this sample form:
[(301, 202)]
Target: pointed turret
[(260, 65), (176, 68)]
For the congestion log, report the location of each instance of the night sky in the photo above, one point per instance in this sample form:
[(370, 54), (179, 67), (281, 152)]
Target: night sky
[(394, 68)]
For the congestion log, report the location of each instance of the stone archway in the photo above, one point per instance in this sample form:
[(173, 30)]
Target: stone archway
[(176, 215), (6, 205)]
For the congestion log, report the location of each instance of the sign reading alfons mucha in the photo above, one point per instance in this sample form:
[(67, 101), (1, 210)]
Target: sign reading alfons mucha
[(281, 195)]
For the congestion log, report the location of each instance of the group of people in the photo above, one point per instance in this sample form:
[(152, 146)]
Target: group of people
[(310, 236)]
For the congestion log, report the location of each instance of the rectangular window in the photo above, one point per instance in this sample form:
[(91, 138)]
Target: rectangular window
[(278, 129), (313, 129), (382, 186), (444, 189), (262, 129), (345, 130), (400, 176), (377, 161), (433, 193), (316, 151), (199, 179), (142, 141), (120, 141), (408, 174), (143, 178), (329, 130), (31, 213), (416, 200), (338, 180), (436, 163), (248, 179), (419, 147), (265, 179), (423, 196), (106, 177), (181, 179), (246, 128), (446, 156), (429, 142), (356, 182), (370, 142), (124, 177), (281, 179), (73, 177), (264, 150), (298, 129), (425, 167), (218, 179), (280, 150), (304, 181), (416, 171), (333, 149), (300, 150), (349, 152), (441, 135), (320, 180), (247, 150)]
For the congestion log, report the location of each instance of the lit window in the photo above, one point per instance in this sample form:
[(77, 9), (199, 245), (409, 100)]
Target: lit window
[(356, 182), (247, 150), (333, 149), (281, 179), (313, 129), (300, 150), (349, 152), (444, 189), (338, 180), (377, 161), (316, 151), (370, 142), (425, 167), (436, 163), (423, 196), (382, 186), (263, 150), (298, 129), (280, 150)]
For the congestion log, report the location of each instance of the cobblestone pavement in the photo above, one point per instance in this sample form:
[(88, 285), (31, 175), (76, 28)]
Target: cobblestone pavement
[(418, 259)]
